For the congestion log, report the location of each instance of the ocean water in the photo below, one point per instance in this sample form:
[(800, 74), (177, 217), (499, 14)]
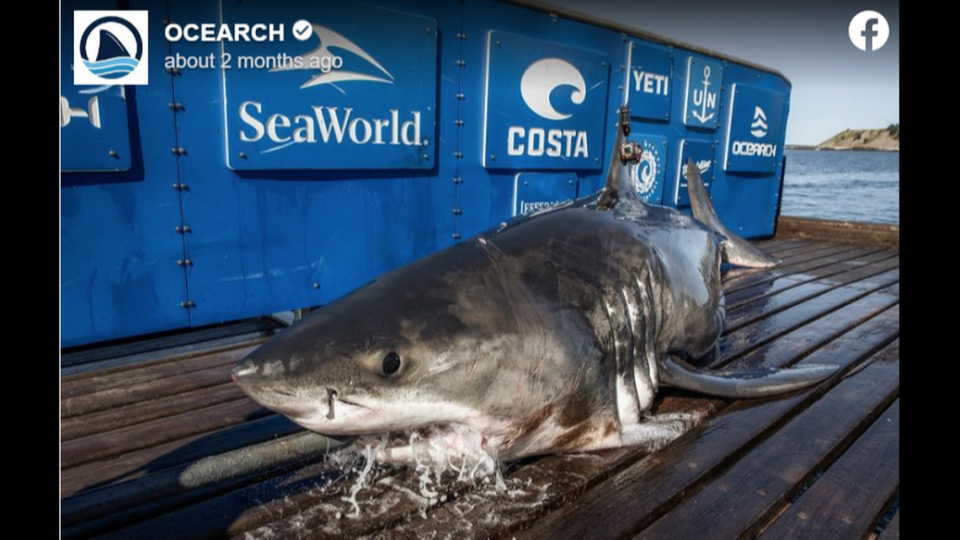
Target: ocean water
[(856, 186)]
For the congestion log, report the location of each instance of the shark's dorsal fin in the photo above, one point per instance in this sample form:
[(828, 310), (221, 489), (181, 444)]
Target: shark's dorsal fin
[(736, 250), (619, 179)]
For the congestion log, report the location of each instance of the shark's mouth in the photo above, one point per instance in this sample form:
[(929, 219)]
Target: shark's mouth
[(453, 445), (437, 453)]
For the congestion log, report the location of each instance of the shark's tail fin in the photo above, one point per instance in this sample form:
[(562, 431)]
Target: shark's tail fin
[(736, 250), (752, 383)]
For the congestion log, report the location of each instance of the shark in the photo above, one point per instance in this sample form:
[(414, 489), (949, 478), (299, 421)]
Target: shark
[(551, 333)]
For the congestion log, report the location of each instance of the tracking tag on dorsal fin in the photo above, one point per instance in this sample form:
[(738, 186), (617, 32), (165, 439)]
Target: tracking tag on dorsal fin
[(626, 154)]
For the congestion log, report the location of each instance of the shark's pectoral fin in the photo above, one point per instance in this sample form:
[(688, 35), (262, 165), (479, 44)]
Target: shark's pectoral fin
[(751, 383), (736, 250)]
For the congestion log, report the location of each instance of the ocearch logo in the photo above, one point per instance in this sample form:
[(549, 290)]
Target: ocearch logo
[(110, 47), (759, 126), (543, 77)]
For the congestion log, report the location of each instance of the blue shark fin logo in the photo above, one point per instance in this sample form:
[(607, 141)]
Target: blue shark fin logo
[(330, 39)]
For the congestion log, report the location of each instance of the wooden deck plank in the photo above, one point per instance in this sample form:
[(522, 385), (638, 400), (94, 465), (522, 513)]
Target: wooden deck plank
[(168, 386), (759, 484), (869, 277), (892, 532), (790, 257), (637, 495), (744, 340), (778, 245), (138, 413), (778, 285), (117, 505), (758, 293), (89, 382), (830, 230), (821, 332), (155, 432), (733, 277), (87, 528), (132, 465), (737, 279), (105, 356), (242, 509), (805, 251), (853, 494)]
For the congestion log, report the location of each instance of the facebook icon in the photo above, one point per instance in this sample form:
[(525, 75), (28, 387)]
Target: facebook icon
[(869, 31)]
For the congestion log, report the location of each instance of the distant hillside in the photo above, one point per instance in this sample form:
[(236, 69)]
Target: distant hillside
[(887, 140)]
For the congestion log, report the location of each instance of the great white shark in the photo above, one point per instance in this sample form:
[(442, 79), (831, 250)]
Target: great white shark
[(551, 333)]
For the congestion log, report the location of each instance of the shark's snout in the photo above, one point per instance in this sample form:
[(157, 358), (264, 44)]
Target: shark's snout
[(262, 384), (250, 377), (245, 376), (244, 370)]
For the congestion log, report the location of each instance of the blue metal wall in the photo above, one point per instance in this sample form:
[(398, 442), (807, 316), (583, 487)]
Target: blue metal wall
[(188, 224)]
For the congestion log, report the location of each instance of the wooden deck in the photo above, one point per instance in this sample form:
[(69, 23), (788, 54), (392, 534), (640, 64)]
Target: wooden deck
[(169, 448)]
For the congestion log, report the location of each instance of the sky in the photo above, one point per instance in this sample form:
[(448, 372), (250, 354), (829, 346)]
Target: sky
[(835, 85)]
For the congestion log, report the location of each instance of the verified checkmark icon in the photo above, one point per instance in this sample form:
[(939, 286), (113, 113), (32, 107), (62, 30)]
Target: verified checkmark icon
[(302, 30)]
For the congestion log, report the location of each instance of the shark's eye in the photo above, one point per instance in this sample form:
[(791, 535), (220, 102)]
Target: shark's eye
[(391, 363)]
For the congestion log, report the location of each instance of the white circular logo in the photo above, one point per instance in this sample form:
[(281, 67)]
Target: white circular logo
[(869, 31), (646, 172), (543, 77)]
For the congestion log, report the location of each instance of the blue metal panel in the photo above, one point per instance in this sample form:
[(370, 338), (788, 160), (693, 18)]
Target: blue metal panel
[(704, 155), (301, 113), (119, 245), (704, 82), (650, 81), (649, 174), (303, 225), (265, 241), (485, 196), (754, 130), (536, 191), (544, 104), (747, 202), (94, 134)]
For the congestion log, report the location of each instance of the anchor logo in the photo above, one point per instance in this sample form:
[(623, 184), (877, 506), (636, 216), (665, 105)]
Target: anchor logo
[(705, 99)]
